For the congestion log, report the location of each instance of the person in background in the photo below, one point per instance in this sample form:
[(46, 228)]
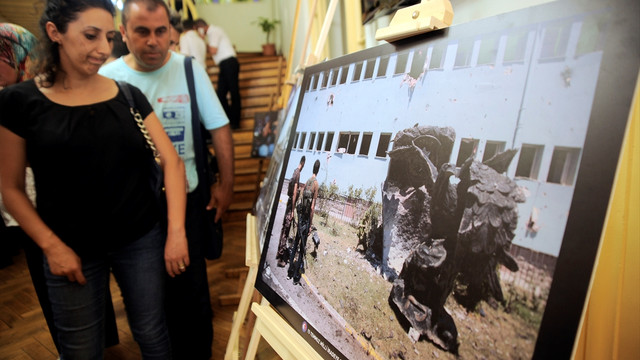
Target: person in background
[(191, 44), (119, 48), (176, 31), (17, 46), (96, 209), (161, 76), (224, 55)]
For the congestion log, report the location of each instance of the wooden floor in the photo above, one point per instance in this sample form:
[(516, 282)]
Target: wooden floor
[(24, 333)]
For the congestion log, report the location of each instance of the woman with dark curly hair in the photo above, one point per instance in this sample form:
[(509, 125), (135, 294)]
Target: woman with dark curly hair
[(96, 209)]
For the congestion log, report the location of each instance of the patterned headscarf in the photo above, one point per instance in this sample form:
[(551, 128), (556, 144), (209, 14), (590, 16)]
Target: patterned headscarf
[(16, 45)]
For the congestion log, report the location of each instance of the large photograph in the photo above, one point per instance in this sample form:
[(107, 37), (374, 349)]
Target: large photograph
[(443, 196)]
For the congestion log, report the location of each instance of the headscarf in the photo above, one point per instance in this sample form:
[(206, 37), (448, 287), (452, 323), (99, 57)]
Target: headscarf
[(16, 45)]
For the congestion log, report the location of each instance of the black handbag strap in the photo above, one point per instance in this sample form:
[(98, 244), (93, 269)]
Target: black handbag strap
[(124, 87), (199, 147)]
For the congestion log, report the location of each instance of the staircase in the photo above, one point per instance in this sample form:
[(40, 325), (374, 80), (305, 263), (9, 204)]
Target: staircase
[(261, 79)]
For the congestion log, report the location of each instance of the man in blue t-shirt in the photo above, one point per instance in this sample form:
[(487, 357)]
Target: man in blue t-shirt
[(160, 74)]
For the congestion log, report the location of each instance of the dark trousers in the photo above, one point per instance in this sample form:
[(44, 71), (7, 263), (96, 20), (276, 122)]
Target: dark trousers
[(283, 255), (188, 303), (296, 266), (228, 83), (35, 262)]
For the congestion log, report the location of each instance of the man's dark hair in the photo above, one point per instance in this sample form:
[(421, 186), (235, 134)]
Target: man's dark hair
[(151, 5), (187, 24), (302, 160), (316, 167), (200, 22)]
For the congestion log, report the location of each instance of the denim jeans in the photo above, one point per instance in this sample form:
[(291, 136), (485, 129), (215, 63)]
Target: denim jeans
[(79, 310)]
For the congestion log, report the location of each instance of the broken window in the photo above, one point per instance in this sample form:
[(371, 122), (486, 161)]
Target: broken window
[(529, 161), (357, 71), (467, 149), (312, 139), (564, 163), (295, 140), (303, 137), (492, 148), (437, 56), (366, 143), (320, 140), (368, 71), (401, 63), (383, 144), (327, 145), (382, 67), (347, 142), (418, 63)]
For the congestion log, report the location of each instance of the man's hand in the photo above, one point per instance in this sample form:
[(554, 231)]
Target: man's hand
[(221, 196)]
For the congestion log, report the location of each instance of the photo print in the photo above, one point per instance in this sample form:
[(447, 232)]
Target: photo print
[(454, 187)]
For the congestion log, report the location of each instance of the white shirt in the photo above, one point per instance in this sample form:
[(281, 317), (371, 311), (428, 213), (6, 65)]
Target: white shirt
[(191, 44), (217, 38)]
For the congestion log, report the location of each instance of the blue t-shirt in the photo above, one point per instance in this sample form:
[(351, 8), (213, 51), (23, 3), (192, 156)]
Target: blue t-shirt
[(167, 91)]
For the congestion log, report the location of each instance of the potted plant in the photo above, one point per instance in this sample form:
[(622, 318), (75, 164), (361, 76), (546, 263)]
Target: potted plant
[(267, 26)]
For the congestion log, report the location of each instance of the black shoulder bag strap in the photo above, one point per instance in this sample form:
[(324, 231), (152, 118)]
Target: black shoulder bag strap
[(199, 147), (212, 245)]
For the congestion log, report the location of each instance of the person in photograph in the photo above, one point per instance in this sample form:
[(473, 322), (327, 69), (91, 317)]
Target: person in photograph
[(160, 75), (96, 211), (224, 55), (305, 219), (292, 191)]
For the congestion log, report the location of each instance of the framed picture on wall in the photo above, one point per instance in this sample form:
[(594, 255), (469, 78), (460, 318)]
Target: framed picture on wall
[(462, 178)]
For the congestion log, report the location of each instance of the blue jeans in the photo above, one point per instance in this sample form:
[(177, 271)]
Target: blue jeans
[(79, 310)]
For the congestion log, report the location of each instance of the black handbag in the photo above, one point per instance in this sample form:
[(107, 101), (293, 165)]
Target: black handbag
[(156, 180), (206, 166)]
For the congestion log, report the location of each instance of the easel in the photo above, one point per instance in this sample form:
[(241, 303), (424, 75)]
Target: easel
[(269, 324)]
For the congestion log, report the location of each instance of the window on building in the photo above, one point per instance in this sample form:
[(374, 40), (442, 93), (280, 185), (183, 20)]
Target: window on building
[(329, 142), (357, 72), (564, 163), (437, 56), (382, 67), (492, 148), (312, 139), (467, 149), (313, 82), (488, 50), (295, 140), (401, 63), (383, 144), (463, 53), (320, 140), (516, 46), (529, 161), (347, 142), (325, 79), (366, 143), (343, 74), (591, 36), (368, 71), (303, 137), (418, 62), (554, 43)]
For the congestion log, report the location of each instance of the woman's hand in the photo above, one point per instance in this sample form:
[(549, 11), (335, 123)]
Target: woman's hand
[(63, 261), (176, 253)]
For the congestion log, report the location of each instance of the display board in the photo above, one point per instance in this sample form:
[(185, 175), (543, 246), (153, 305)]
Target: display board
[(463, 184)]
